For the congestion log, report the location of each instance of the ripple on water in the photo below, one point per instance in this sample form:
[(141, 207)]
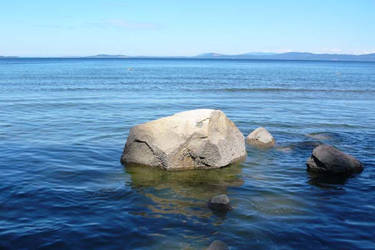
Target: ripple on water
[(64, 122)]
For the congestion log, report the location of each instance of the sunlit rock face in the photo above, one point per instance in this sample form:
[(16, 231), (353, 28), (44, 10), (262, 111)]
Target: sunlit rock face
[(195, 139), (326, 159)]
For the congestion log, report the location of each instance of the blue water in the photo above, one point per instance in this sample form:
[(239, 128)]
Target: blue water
[(64, 122)]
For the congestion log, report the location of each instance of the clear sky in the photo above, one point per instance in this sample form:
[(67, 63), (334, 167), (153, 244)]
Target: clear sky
[(184, 27)]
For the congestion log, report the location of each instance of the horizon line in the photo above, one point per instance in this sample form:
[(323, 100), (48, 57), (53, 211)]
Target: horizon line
[(260, 53)]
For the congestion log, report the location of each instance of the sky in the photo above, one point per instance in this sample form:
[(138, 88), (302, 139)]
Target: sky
[(185, 27)]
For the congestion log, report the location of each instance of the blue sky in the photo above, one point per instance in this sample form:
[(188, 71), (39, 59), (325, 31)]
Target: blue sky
[(172, 28)]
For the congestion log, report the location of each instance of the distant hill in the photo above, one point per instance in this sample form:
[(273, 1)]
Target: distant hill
[(293, 56), (107, 56), (259, 54), (303, 56), (211, 55)]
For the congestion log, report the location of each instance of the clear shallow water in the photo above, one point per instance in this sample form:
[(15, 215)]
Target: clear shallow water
[(64, 122)]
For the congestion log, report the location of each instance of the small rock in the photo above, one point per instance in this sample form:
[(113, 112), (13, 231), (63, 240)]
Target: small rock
[(329, 160), (285, 149), (219, 203), (218, 245), (260, 137)]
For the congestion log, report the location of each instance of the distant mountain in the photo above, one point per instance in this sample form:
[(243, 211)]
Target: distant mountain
[(293, 56), (252, 55), (107, 56), (211, 55), (260, 53)]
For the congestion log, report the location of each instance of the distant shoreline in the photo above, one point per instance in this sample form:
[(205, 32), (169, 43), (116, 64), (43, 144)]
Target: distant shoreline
[(306, 56), (191, 58), (289, 56)]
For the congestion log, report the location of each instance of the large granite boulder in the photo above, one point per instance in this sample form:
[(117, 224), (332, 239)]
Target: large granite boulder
[(329, 160), (260, 137), (196, 139)]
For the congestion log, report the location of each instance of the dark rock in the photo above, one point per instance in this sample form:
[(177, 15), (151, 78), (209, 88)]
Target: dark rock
[(327, 159), (219, 203), (218, 245)]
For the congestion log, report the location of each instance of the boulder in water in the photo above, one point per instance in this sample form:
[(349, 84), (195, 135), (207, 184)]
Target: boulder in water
[(219, 203), (195, 139), (327, 159), (260, 137)]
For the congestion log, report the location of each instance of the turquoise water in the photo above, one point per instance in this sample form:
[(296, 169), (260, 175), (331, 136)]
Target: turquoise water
[(64, 122)]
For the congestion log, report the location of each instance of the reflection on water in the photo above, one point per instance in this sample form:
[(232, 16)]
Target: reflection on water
[(182, 192), (327, 181)]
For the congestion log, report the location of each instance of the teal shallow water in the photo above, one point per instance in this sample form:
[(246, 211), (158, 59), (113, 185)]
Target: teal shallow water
[(64, 122)]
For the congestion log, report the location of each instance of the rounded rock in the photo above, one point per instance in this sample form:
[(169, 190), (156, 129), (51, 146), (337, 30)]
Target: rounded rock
[(326, 159), (260, 137), (219, 203)]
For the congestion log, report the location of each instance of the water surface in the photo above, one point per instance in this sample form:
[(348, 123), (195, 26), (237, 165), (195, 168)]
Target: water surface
[(64, 122)]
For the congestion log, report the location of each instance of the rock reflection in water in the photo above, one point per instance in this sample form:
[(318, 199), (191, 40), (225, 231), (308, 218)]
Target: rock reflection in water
[(182, 192), (327, 181)]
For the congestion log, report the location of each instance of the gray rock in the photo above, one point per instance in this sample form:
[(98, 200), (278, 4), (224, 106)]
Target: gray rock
[(196, 139), (218, 245), (329, 160), (220, 203), (260, 137)]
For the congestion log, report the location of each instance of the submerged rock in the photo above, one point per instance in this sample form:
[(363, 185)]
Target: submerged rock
[(218, 245), (302, 146), (195, 139), (329, 160), (323, 136), (183, 192), (219, 203), (260, 137)]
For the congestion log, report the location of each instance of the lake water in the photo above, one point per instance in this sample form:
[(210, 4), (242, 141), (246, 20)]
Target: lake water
[(64, 123)]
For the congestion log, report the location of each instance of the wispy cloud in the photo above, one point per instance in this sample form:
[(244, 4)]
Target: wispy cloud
[(124, 24), (54, 26), (341, 51), (102, 24)]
